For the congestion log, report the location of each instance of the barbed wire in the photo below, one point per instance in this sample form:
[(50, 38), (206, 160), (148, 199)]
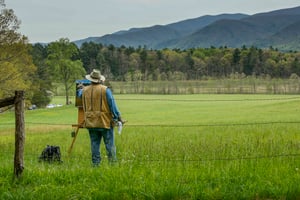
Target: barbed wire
[(220, 159), (88, 157), (296, 155), (208, 100), (200, 125), (168, 125)]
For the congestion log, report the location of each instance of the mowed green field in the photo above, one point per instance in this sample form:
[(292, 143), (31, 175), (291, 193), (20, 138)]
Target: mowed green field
[(172, 147)]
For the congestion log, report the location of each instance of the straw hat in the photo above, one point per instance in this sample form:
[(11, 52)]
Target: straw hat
[(95, 76)]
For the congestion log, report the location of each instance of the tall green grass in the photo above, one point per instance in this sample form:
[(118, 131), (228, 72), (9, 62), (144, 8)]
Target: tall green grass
[(172, 147)]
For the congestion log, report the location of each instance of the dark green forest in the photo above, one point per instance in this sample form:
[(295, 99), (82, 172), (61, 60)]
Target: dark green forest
[(63, 62), (133, 64)]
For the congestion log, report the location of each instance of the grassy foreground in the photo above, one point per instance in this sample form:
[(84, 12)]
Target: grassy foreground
[(173, 147)]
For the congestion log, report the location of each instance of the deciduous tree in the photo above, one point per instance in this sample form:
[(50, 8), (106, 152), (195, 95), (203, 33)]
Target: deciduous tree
[(66, 68), (16, 67)]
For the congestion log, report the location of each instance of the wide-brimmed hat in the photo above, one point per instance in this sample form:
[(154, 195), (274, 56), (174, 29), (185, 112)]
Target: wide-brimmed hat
[(95, 76)]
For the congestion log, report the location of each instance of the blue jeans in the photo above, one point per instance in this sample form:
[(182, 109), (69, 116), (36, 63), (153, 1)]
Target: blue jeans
[(96, 135)]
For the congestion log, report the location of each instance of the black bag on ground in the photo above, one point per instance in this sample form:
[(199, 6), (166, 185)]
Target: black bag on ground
[(51, 154)]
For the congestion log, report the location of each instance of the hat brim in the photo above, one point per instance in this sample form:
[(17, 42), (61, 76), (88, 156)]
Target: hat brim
[(88, 77)]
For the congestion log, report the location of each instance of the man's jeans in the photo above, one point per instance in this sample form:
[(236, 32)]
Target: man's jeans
[(96, 135)]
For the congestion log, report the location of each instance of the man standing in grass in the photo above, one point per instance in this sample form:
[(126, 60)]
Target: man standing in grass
[(100, 112)]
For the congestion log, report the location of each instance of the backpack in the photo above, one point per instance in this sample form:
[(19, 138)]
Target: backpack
[(50, 154)]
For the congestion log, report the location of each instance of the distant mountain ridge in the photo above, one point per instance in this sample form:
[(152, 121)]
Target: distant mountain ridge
[(279, 29)]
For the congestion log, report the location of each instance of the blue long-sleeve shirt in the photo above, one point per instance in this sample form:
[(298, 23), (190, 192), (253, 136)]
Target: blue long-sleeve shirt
[(112, 104)]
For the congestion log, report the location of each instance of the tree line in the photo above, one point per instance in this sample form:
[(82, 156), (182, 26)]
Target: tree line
[(67, 62), (130, 64), (36, 68)]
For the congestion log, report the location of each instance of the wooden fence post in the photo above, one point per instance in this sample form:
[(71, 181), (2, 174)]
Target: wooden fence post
[(19, 134)]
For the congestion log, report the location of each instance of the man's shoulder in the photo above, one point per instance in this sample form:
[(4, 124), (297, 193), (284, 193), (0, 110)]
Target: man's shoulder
[(103, 86), (100, 86), (95, 85), (86, 88)]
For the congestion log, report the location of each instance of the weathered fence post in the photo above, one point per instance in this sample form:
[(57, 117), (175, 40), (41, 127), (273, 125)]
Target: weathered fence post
[(19, 134)]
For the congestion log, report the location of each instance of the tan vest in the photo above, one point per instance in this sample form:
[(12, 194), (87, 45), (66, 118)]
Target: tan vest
[(96, 110)]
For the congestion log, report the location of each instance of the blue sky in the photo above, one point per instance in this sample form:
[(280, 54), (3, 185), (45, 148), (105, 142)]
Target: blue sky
[(47, 21)]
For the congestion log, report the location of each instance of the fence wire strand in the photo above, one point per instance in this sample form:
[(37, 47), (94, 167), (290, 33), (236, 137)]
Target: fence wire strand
[(170, 125), (210, 100), (88, 157), (295, 155)]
